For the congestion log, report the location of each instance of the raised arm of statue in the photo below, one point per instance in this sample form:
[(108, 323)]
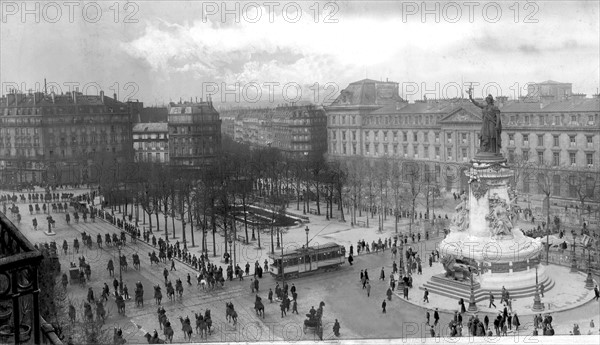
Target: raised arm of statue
[(474, 101)]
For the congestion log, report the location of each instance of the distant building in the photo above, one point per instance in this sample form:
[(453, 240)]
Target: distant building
[(194, 130), (151, 142), (295, 130), (52, 139), (369, 119), (551, 90)]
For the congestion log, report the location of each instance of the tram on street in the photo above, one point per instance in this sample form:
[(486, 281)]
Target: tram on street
[(296, 262)]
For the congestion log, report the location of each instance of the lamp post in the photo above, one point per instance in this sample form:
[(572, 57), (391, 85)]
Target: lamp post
[(230, 245), (307, 230), (574, 261), (589, 281), (119, 246), (472, 305), (537, 302)]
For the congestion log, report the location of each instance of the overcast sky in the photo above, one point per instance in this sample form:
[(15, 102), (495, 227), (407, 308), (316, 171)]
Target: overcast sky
[(160, 51)]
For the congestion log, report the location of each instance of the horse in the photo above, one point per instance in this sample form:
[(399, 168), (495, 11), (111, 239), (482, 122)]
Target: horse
[(168, 331), (107, 240), (139, 295), (99, 240), (162, 256), (100, 312), (136, 261), (153, 258), (230, 313), (259, 307), (157, 295), (170, 291), (111, 268), (186, 328), (201, 326), (153, 340)]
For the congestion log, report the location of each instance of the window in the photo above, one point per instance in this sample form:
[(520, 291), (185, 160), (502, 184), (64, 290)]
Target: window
[(449, 136), (540, 157), (589, 157), (437, 153), (353, 135), (426, 152), (556, 159), (426, 137), (556, 120), (395, 134), (333, 120), (464, 138), (415, 151), (590, 120), (540, 140), (385, 149), (555, 138), (511, 156), (415, 137), (405, 136), (437, 137), (541, 120), (556, 185), (343, 149), (449, 153), (572, 141), (573, 158), (353, 120), (376, 149), (573, 119), (590, 141), (464, 154), (343, 135), (353, 149), (511, 139), (526, 156), (525, 139), (385, 137), (395, 149), (367, 148)]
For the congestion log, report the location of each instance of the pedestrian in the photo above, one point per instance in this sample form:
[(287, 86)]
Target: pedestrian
[(383, 306), (542, 288), (516, 322), (256, 285), (189, 279), (427, 316), (597, 292), (486, 321), (364, 282), (350, 259), (252, 285), (389, 293), (382, 275), (270, 295), (436, 317), (336, 326), (125, 291), (282, 306), (115, 285), (173, 265), (426, 296), (491, 300), (405, 291), (509, 319), (295, 307), (368, 289), (432, 332), (165, 274)]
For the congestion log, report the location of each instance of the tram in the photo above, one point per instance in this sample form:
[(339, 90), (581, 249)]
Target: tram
[(320, 258)]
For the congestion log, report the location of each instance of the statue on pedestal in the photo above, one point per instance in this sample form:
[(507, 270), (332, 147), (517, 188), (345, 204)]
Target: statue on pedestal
[(460, 221), (491, 128)]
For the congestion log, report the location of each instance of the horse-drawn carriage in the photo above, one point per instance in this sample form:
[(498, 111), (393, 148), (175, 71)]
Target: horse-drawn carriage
[(315, 319)]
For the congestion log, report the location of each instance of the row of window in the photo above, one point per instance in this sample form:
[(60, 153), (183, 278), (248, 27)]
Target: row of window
[(554, 120), (401, 151), (415, 136), (555, 158), (152, 145), (150, 136), (153, 157), (589, 140)]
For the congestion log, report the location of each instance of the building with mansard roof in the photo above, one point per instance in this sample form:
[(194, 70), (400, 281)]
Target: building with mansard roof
[(47, 138), (369, 119)]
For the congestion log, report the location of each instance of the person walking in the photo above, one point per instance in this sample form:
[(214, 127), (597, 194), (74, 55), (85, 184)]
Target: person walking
[(542, 288), (282, 306), (270, 295), (427, 316), (173, 265), (516, 322), (597, 293), (368, 289), (252, 285), (491, 300), (426, 296), (382, 275), (389, 293), (436, 317), (405, 291), (295, 307), (383, 306)]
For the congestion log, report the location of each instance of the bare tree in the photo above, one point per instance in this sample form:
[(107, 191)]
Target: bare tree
[(412, 179), (544, 174)]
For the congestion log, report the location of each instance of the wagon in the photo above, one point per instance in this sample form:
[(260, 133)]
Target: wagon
[(74, 275)]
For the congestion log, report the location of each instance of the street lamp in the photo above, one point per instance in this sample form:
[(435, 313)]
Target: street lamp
[(574, 261), (119, 247), (307, 230), (589, 281), (537, 303), (472, 305)]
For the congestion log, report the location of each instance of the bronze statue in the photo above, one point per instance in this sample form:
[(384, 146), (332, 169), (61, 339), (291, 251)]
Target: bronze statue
[(491, 128)]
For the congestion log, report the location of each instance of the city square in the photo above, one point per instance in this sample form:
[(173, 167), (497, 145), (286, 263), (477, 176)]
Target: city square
[(252, 189)]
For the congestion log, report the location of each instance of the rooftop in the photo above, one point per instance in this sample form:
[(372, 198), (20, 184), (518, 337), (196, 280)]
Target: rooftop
[(150, 127)]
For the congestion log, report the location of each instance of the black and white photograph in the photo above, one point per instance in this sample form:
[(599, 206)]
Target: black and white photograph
[(299, 172)]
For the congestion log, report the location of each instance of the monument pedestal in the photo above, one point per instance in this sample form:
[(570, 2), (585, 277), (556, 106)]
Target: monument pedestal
[(489, 242)]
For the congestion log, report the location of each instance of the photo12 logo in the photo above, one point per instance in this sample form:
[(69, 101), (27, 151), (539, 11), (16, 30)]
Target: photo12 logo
[(122, 91), (68, 11), (253, 12), (471, 11)]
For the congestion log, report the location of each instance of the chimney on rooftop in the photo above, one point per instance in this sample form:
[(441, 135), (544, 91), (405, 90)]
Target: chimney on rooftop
[(102, 97), (115, 96), (52, 95)]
